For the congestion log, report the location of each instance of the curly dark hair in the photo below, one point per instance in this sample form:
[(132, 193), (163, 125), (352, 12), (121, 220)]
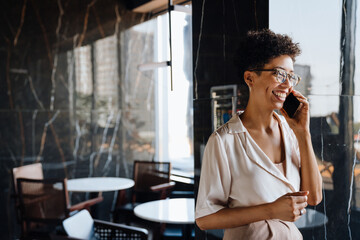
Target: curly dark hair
[(260, 47)]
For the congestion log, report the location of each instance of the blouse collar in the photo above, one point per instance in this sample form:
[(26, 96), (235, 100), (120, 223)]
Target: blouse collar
[(235, 125)]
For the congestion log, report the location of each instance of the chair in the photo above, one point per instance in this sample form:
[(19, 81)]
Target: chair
[(35, 171), (83, 226), (151, 178), (32, 171), (152, 182), (43, 204)]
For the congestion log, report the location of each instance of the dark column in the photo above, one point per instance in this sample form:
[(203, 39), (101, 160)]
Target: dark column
[(343, 160), (217, 28)]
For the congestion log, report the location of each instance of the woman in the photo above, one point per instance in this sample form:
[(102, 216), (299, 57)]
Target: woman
[(259, 170)]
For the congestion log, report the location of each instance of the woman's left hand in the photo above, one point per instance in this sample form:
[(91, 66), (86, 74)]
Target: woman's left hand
[(301, 119)]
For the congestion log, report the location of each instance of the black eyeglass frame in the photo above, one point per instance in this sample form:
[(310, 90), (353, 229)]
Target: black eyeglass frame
[(277, 71)]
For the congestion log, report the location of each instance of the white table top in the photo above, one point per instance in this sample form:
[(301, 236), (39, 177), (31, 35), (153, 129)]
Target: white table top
[(311, 219), (177, 210), (98, 184)]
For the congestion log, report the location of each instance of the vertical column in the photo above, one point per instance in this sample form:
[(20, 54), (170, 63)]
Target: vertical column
[(343, 162), (217, 28)]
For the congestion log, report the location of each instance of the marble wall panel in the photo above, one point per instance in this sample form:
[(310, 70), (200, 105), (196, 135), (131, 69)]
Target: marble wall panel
[(217, 27), (43, 115)]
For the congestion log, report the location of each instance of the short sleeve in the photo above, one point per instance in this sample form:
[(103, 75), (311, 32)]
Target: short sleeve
[(215, 178)]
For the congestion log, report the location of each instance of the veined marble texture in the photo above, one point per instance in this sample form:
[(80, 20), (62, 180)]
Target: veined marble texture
[(69, 98)]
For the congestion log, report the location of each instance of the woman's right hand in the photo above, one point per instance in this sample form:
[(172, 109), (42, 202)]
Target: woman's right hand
[(290, 206)]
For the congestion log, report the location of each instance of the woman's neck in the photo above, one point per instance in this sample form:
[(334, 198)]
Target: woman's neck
[(255, 117)]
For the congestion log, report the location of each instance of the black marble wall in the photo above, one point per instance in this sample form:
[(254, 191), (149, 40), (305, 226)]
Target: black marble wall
[(217, 28), (43, 118)]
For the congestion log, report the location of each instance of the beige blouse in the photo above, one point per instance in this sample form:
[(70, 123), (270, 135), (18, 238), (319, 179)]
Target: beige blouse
[(235, 172)]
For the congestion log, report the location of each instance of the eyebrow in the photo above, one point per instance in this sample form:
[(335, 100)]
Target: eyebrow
[(283, 69)]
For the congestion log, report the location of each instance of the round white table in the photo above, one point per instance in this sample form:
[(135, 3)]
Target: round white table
[(175, 211), (311, 219), (98, 184)]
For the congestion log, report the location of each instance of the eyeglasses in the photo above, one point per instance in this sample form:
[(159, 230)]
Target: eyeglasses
[(281, 75)]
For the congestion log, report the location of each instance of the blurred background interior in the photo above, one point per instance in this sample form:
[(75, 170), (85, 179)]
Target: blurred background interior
[(94, 89)]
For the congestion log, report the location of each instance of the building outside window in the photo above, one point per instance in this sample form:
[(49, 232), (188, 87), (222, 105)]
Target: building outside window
[(156, 122), (170, 111)]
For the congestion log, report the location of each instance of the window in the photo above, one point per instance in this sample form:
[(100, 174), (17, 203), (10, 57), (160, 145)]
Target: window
[(318, 65), (105, 86), (83, 81), (156, 123), (106, 80), (148, 98), (318, 30)]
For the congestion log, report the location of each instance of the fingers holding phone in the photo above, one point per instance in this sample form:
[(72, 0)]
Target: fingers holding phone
[(291, 105), (304, 103), (296, 111)]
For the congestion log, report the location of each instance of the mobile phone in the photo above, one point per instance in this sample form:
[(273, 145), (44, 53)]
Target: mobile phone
[(291, 105)]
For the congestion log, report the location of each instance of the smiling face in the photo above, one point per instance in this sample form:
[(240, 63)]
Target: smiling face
[(265, 90)]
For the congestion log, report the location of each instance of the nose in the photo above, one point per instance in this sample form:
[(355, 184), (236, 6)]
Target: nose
[(287, 81)]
